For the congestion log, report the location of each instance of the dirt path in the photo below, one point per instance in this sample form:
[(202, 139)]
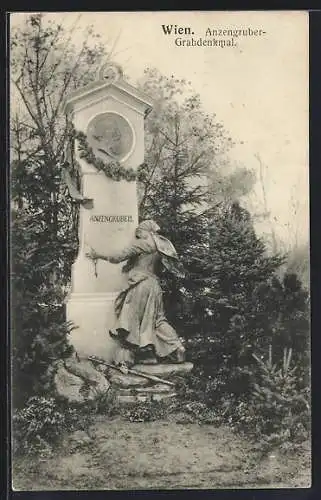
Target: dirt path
[(117, 454)]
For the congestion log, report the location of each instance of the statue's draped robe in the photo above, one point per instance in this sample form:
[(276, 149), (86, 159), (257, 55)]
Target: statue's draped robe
[(139, 307)]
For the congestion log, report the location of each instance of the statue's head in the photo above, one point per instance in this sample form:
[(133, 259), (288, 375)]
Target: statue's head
[(145, 228)]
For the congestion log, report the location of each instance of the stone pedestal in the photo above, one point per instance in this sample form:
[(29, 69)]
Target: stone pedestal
[(94, 316), (110, 112)]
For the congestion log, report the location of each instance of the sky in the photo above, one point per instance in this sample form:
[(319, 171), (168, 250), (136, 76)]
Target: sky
[(258, 89)]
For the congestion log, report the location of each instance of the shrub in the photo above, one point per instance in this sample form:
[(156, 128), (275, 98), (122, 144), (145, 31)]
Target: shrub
[(104, 404), (146, 412), (277, 410), (39, 331), (215, 375), (281, 407), (40, 424), (267, 399)]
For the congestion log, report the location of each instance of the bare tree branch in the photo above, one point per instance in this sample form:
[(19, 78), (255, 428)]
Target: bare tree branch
[(266, 208)]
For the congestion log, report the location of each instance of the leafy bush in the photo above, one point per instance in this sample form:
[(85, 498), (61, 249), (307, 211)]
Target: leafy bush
[(146, 412), (40, 424), (104, 404)]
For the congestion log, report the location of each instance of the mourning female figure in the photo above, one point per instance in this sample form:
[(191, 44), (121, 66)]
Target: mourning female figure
[(141, 326)]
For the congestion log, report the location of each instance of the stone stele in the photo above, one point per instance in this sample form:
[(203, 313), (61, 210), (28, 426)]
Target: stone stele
[(111, 113)]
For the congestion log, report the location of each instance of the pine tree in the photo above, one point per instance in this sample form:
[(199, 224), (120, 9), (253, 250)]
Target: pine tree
[(186, 149), (248, 308), (241, 275)]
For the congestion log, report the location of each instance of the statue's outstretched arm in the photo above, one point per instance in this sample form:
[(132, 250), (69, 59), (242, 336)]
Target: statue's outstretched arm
[(125, 254), (136, 248), (131, 251)]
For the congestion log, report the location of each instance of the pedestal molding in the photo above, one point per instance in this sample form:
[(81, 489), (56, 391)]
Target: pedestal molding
[(91, 297)]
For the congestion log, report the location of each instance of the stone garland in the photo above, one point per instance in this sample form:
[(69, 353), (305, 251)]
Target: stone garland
[(113, 170)]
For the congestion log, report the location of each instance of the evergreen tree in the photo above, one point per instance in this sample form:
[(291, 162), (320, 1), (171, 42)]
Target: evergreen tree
[(186, 150), (39, 332), (240, 275), (246, 308)]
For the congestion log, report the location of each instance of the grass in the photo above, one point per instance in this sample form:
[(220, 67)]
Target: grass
[(114, 454)]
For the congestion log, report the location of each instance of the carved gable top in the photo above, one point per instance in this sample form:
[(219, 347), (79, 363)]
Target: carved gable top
[(116, 89)]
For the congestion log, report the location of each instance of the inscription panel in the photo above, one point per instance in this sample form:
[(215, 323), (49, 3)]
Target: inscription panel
[(111, 218)]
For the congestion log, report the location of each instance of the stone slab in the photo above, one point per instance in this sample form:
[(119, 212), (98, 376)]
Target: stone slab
[(165, 370), (144, 397), (127, 381), (154, 389)]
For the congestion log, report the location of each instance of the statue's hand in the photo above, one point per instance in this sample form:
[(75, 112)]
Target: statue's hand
[(93, 255)]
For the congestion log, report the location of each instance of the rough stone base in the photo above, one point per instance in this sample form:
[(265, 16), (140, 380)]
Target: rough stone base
[(79, 381), (74, 376)]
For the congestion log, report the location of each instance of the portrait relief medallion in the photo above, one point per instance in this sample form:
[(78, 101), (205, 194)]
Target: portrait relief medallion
[(110, 136)]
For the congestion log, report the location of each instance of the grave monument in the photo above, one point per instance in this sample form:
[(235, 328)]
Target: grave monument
[(110, 113), (107, 117)]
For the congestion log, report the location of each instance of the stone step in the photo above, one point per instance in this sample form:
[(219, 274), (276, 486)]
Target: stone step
[(163, 371), (142, 395), (122, 380), (153, 389)]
